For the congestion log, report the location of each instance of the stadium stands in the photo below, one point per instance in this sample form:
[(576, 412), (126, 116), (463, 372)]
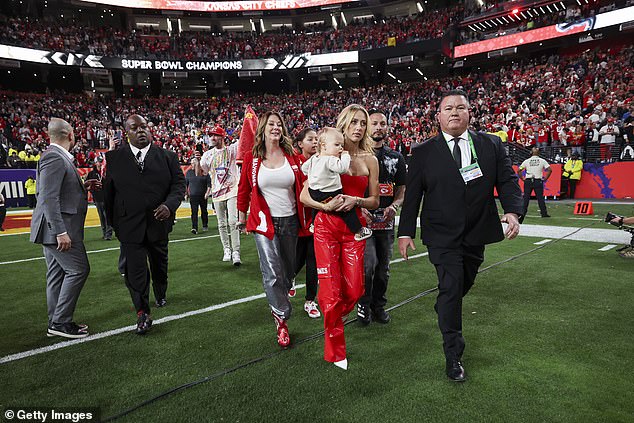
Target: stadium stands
[(553, 94)]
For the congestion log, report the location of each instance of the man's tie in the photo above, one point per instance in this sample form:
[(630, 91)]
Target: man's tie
[(138, 161), (457, 154)]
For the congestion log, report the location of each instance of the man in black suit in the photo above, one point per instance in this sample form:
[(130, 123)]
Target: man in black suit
[(143, 188), (455, 174)]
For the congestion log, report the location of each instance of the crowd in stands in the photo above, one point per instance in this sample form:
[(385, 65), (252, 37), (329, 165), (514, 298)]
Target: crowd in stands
[(63, 35), (556, 102)]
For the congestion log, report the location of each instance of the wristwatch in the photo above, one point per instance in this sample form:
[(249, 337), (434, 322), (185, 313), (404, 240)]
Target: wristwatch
[(395, 206)]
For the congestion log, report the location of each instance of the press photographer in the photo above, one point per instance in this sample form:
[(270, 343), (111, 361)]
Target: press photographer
[(624, 223)]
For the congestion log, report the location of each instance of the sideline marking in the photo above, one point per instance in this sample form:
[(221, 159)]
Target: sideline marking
[(607, 247), (100, 335), (107, 249), (542, 242)]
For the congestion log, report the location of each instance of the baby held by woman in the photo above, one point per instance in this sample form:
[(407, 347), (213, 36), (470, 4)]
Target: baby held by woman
[(324, 180)]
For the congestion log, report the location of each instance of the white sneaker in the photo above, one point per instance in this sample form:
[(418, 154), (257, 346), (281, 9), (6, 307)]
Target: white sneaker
[(227, 255), (364, 233), (235, 257), (342, 364), (310, 307)]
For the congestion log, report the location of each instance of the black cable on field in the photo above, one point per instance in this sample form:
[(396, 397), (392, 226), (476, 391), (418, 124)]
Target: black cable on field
[(314, 336)]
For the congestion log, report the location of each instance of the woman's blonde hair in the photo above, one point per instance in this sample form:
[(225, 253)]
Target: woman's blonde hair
[(259, 146), (345, 119)]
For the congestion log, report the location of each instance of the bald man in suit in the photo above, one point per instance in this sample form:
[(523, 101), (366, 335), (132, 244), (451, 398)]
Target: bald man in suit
[(144, 187), (58, 224)]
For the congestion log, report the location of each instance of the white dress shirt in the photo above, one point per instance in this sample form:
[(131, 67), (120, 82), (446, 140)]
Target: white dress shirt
[(143, 151), (465, 150), (66, 152)]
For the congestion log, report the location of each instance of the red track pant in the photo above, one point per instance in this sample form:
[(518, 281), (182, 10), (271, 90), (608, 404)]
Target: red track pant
[(341, 279)]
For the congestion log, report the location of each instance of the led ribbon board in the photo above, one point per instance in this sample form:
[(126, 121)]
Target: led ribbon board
[(603, 20), (218, 6), (94, 61)]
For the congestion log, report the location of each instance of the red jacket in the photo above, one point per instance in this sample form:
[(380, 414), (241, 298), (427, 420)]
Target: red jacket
[(250, 197)]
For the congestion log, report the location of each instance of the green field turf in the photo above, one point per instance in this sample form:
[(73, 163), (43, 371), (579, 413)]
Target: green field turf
[(548, 337)]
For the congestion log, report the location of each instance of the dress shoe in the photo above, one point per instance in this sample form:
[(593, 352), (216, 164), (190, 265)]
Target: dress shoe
[(363, 314), (143, 323), (66, 330), (545, 215), (455, 371), (161, 303), (381, 316)]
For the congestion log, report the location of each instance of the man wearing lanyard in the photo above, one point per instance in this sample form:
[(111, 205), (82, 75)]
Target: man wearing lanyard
[(537, 172), (454, 174)]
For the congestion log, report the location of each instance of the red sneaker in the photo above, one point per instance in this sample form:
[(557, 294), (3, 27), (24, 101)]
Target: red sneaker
[(283, 338)]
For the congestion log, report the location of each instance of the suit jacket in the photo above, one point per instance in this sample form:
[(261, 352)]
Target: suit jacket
[(61, 199), (131, 195), (455, 213)]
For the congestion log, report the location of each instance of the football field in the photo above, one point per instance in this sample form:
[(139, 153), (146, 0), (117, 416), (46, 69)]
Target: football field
[(547, 326)]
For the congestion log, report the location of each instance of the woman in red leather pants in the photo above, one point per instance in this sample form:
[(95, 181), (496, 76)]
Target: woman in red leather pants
[(339, 257)]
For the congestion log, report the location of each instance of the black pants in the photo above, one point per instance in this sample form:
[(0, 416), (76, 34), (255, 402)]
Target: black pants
[(378, 253), (457, 269), (536, 185), (137, 274), (3, 214), (349, 217), (306, 255), (31, 201), (573, 187), (106, 229), (196, 201)]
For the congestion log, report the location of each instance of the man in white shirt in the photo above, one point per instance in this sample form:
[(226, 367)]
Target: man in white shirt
[(220, 163), (608, 134), (537, 172)]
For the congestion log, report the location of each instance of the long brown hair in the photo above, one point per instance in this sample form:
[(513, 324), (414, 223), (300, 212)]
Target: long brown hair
[(345, 119), (259, 146)]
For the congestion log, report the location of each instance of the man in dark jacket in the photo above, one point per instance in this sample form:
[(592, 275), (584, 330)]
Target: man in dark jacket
[(456, 173), (144, 187)]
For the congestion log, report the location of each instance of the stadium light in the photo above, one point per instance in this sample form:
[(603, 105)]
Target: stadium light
[(334, 21), (419, 7), (392, 76), (336, 80), (262, 28), (548, 7), (515, 11), (343, 19), (419, 71)]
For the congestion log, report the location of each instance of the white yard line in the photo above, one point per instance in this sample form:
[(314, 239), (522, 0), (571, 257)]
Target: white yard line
[(542, 242), (607, 247), (108, 249), (113, 332)]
